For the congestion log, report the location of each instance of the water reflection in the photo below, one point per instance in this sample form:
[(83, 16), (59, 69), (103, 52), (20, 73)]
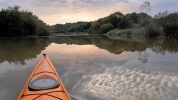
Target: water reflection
[(95, 67), (143, 56), (20, 49), (117, 78), (120, 83), (117, 45)]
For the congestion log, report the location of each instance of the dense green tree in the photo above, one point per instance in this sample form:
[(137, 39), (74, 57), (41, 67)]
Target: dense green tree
[(125, 23), (170, 25), (106, 27), (133, 17), (169, 22), (117, 20), (18, 23), (70, 27), (80, 28), (95, 27), (114, 19)]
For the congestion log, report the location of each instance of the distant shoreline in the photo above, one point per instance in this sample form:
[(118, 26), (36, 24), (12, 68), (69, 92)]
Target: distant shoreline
[(71, 34)]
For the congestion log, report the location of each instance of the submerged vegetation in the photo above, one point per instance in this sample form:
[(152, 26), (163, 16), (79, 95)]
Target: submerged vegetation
[(20, 23)]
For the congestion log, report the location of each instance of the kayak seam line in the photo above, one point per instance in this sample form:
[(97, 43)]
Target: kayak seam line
[(42, 93), (37, 67), (48, 95), (43, 72), (50, 65)]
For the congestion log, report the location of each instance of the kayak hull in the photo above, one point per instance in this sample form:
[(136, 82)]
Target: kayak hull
[(44, 70)]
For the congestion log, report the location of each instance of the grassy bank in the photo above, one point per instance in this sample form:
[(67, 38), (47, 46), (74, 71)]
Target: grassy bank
[(166, 26), (147, 31), (137, 24)]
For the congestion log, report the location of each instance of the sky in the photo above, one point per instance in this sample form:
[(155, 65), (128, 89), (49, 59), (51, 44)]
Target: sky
[(64, 11)]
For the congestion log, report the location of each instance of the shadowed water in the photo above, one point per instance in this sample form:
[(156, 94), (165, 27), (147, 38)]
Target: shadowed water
[(95, 67)]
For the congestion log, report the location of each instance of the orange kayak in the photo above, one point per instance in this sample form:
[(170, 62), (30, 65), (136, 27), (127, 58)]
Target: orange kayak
[(44, 83)]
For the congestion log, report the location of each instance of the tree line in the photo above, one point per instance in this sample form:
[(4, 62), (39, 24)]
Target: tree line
[(137, 24), (70, 27), (131, 24), (21, 23)]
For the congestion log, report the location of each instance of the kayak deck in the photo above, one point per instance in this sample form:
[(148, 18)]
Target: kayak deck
[(44, 83)]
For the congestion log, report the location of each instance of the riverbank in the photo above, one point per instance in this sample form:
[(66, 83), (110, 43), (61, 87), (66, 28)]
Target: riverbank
[(148, 31), (70, 34)]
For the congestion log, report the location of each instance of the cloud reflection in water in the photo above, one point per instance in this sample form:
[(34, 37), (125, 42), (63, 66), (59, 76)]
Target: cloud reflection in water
[(124, 84)]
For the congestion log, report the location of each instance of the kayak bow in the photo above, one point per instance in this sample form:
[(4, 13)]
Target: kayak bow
[(44, 83)]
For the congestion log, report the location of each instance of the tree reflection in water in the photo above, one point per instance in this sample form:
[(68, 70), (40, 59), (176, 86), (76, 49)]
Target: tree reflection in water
[(100, 76), (118, 45), (143, 56), (17, 50), (20, 49)]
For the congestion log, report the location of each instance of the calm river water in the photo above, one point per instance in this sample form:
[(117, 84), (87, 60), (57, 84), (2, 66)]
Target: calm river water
[(95, 67)]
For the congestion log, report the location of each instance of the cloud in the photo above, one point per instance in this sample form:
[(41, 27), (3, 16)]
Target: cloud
[(85, 10)]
